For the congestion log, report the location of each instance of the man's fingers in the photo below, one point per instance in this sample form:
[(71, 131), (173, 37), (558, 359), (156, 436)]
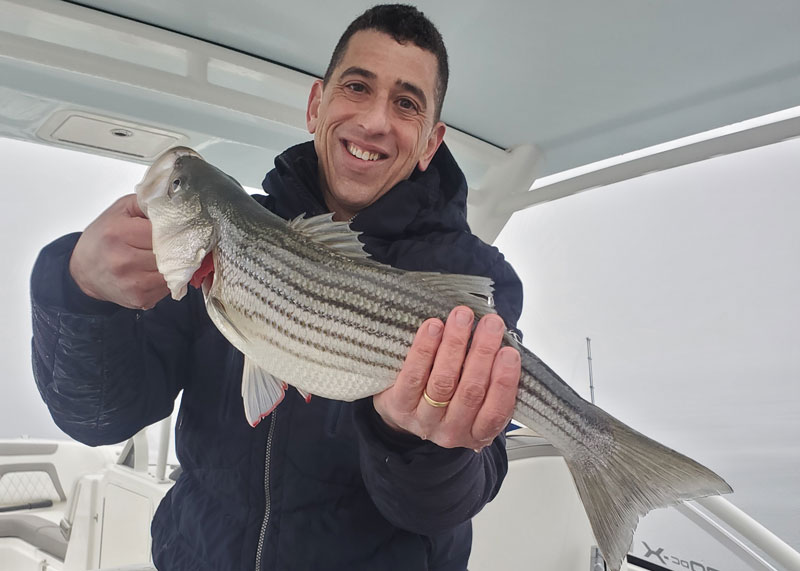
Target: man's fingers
[(477, 387), (498, 406), (150, 284), (138, 233), (132, 225), (450, 356), (149, 288), (155, 289), (113, 259), (134, 261), (131, 205), (417, 366), (123, 223), (446, 370), (472, 388)]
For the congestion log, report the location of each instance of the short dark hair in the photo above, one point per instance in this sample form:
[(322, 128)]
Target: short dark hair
[(405, 24)]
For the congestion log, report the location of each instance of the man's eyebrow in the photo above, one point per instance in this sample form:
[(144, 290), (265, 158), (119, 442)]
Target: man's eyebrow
[(354, 70)]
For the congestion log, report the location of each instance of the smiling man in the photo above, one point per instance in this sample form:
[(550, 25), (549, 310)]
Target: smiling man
[(374, 119), (389, 482)]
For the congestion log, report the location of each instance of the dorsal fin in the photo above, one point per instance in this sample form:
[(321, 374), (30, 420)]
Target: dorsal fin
[(473, 291), (336, 235)]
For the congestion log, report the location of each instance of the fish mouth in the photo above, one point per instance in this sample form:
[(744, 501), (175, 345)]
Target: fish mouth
[(157, 178)]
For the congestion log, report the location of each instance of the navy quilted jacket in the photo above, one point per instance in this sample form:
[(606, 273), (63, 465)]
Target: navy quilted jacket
[(315, 486)]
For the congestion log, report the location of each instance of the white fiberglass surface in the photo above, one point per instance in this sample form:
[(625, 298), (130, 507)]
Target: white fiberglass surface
[(685, 280), (16, 555), (583, 80)]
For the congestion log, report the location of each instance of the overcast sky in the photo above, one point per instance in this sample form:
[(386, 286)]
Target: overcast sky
[(687, 282)]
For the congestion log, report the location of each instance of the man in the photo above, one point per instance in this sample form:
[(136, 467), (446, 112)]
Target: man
[(389, 482)]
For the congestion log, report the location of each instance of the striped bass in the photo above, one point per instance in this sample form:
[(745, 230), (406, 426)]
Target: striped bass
[(306, 306)]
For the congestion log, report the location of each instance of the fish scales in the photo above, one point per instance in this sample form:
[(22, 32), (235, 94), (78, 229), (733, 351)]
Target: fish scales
[(369, 289), (547, 410), (303, 298), (300, 300), (327, 333)]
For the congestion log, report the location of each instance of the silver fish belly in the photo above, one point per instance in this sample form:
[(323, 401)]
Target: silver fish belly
[(307, 307)]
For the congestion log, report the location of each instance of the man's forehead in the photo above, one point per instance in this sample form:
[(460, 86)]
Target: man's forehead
[(376, 55)]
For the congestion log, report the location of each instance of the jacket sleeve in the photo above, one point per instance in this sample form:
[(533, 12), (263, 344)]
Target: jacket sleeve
[(419, 486), (104, 371)]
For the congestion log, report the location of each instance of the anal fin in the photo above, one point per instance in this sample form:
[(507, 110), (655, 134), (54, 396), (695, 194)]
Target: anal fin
[(261, 392)]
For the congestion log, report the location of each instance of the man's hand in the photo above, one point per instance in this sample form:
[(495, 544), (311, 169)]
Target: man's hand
[(479, 385), (114, 261)]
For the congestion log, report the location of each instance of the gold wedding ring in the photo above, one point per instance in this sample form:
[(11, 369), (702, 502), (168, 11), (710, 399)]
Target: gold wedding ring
[(434, 403)]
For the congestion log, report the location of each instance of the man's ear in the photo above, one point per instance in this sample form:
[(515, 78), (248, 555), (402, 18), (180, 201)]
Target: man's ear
[(434, 140), (312, 111)]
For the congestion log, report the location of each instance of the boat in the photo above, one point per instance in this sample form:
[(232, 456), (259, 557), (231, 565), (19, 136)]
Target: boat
[(77, 508), (546, 100)]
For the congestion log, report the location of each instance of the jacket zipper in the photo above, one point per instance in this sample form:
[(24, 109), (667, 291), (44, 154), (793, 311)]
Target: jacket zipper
[(263, 536)]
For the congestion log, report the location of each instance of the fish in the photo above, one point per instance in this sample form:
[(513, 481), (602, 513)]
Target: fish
[(308, 307)]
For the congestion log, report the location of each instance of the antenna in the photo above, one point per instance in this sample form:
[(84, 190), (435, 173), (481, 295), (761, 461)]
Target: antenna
[(589, 358)]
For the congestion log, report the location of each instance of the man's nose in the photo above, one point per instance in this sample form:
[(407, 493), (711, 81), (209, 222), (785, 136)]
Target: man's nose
[(374, 117)]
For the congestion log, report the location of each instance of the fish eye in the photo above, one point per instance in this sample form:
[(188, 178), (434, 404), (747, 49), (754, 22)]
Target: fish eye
[(176, 186)]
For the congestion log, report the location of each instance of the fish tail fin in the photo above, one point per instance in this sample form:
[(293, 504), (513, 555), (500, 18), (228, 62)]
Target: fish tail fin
[(637, 476)]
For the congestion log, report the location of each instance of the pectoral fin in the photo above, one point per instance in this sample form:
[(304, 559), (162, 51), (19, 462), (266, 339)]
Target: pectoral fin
[(261, 392), (219, 315)]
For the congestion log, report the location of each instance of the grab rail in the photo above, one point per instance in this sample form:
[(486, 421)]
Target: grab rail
[(762, 538)]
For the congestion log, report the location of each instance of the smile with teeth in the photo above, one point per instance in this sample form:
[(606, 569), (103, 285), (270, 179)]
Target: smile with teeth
[(362, 154)]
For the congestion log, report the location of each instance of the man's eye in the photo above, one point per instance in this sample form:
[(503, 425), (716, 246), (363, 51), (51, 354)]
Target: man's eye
[(356, 87), (407, 104)]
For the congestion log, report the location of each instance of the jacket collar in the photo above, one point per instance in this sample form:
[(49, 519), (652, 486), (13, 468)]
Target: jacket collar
[(431, 201)]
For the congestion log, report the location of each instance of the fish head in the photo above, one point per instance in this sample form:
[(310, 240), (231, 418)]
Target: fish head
[(159, 177), (183, 231)]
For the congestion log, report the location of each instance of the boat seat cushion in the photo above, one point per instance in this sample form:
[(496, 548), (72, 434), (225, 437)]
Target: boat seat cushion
[(34, 530)]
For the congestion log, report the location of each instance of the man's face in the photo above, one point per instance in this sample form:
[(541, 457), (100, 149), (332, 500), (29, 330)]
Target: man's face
[(373, 122)]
